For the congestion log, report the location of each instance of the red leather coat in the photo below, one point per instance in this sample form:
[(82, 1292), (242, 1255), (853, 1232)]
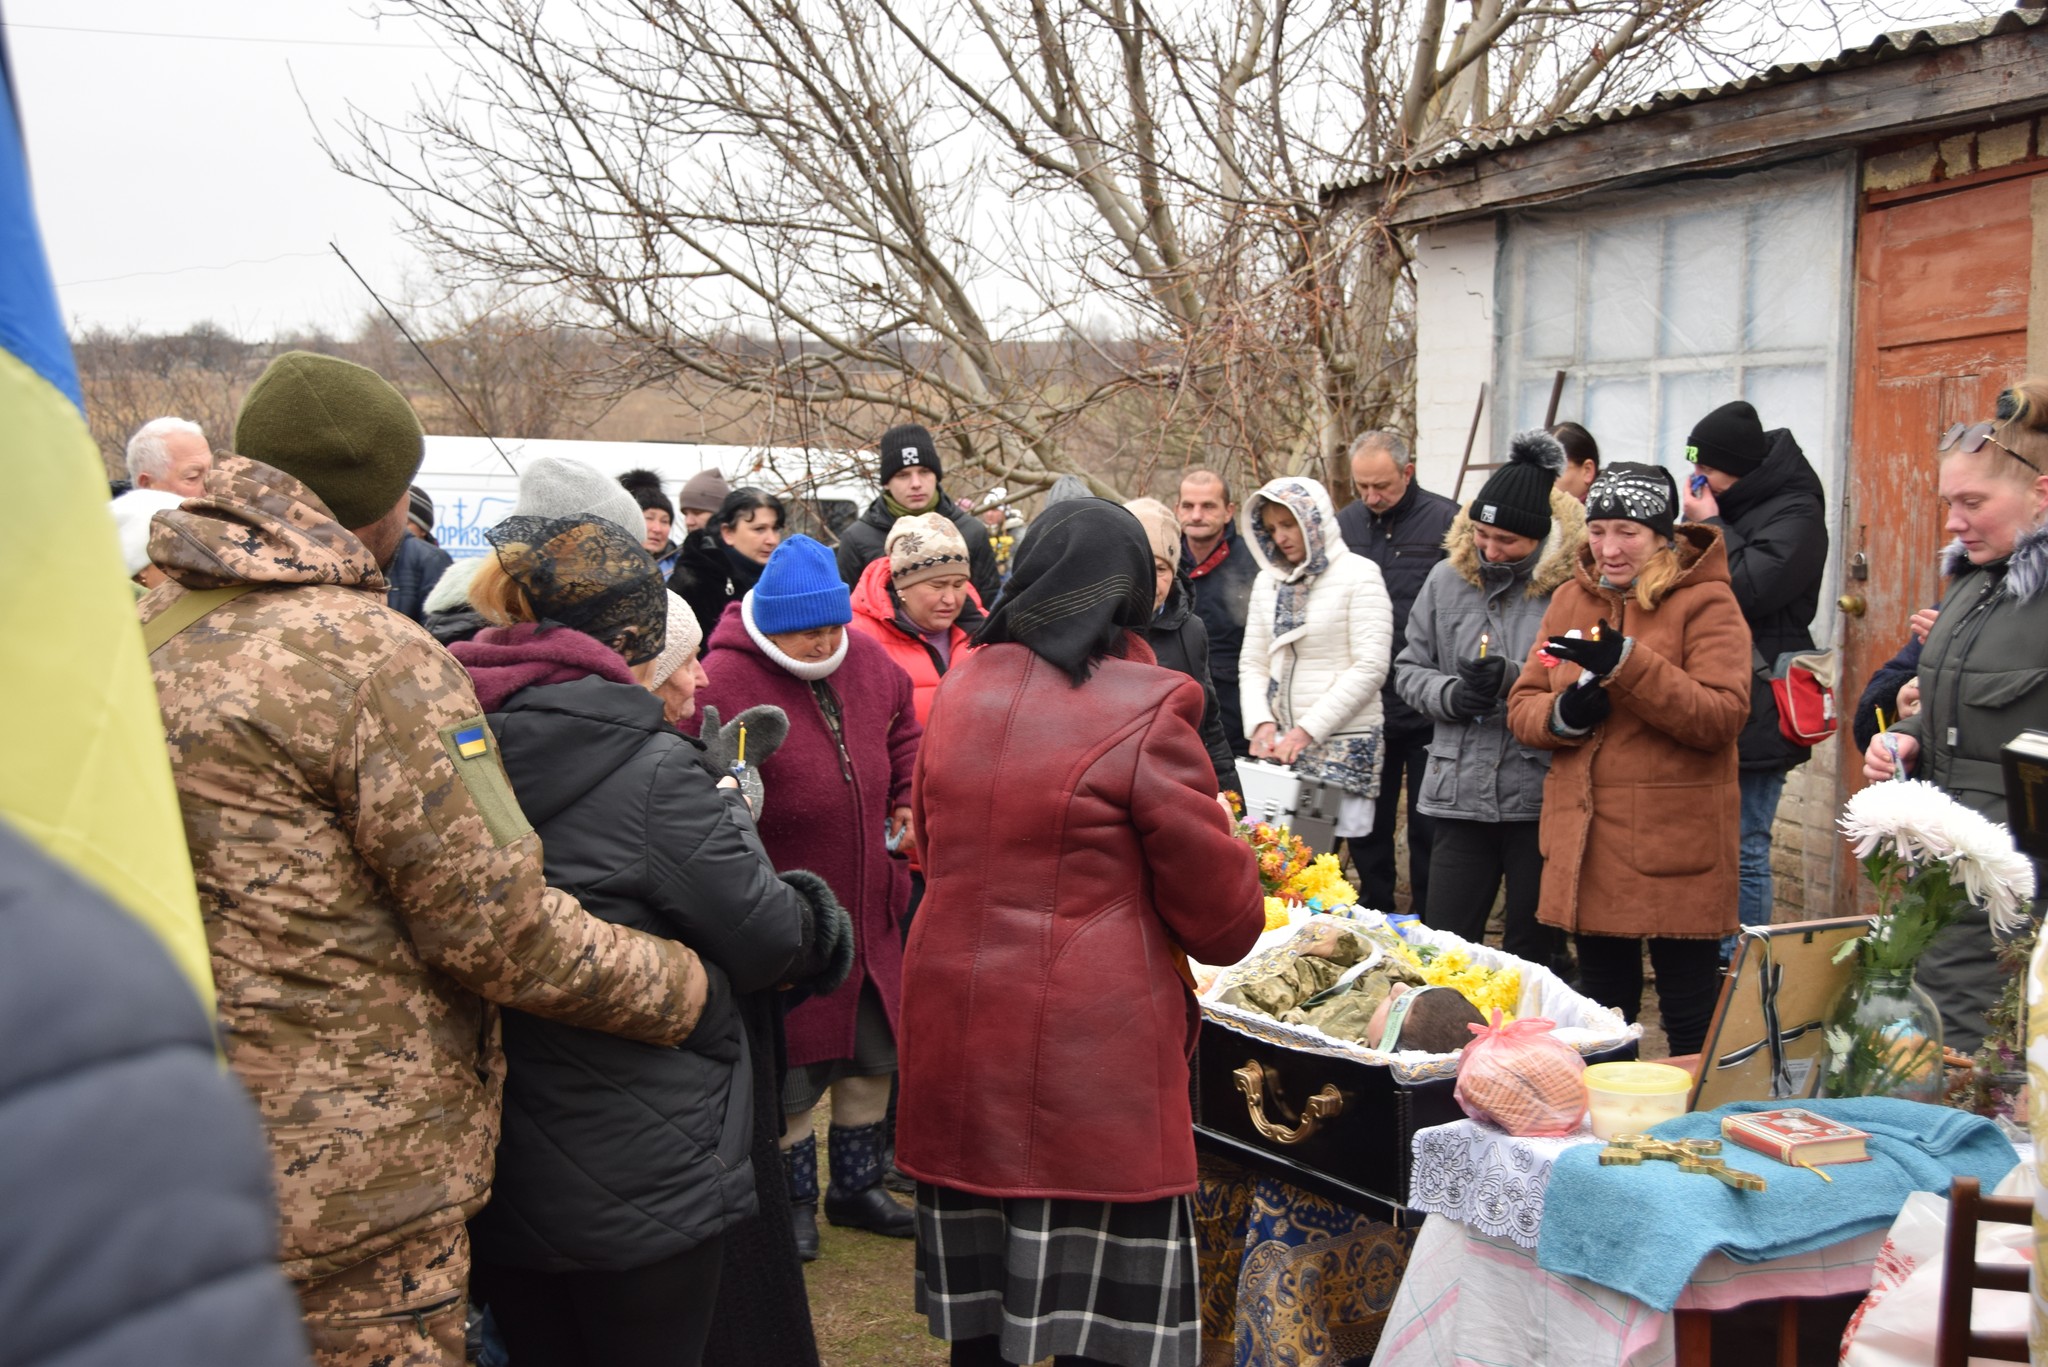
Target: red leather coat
[(1071, 841)]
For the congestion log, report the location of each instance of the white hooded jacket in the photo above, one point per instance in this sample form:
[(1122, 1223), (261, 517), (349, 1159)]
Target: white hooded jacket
[(1330, 667)]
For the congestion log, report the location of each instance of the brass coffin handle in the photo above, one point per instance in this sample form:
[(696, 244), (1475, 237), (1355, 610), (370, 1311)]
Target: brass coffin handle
[(1251, 1080)]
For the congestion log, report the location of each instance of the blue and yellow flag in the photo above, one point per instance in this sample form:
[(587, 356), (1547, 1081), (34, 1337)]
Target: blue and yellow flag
[(83, 768)]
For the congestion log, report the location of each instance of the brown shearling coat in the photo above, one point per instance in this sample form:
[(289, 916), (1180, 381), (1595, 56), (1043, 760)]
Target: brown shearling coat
[(1642, 818)]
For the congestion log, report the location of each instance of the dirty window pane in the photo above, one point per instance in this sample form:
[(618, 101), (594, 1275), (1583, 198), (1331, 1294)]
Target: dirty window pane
[(1792, 294), (1618, 413), (1622, 279), (1702, 283), (1550, 299), (1793, 396)]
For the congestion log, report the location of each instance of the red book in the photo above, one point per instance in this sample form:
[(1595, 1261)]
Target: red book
[(1796, 1136)]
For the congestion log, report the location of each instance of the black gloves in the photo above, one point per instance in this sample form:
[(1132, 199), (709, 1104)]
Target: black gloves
[(767, 727), (1481, 681), (1597, 654), (1583, 708)]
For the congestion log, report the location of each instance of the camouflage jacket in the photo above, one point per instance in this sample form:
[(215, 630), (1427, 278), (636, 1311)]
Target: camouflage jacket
[(369, 885)]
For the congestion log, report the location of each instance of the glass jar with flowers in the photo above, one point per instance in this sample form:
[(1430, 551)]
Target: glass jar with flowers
[(1928, 857)]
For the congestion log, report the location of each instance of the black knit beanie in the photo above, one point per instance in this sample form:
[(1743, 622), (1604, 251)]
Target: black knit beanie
[(908, 445), (1516, 498), (1635, 493), (645, 487), (1729, 439)]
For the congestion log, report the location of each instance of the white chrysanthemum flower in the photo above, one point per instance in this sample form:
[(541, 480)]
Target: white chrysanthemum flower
[(1994, 874), (1909, 814), (1925, 825)]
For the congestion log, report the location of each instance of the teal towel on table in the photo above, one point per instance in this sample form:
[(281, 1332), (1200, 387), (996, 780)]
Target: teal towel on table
[(1643, 1230)]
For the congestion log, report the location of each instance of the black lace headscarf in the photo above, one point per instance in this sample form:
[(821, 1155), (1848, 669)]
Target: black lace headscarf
[(1081, 583), (589, 575)]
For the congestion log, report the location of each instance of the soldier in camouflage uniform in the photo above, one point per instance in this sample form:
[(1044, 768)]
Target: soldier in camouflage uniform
[(369, 884)]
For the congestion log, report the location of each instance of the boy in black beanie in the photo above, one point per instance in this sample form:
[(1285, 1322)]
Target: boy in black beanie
[(1759, 489), (909, 469)]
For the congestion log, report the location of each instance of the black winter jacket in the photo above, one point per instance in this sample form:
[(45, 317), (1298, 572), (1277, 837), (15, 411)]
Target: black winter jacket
[(1181, 643), (413, 574), (617, 1154), (1222, 597), (866, 540), (707, 578), (1406, 542), (1774, 523), (136, 1220)]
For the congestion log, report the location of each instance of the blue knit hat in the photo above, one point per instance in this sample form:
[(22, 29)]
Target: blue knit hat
[(800, 590)]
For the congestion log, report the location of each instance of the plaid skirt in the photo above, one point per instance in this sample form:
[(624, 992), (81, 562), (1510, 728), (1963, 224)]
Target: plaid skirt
[(1113, 1281)]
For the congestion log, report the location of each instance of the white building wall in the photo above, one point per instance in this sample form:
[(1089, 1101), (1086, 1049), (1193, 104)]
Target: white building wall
[(1454, 338)]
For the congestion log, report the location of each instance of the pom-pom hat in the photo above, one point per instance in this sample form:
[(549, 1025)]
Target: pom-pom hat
[(1517, 497), (800, 590)]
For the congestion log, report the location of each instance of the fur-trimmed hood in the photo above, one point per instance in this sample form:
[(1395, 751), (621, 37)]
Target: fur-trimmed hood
[(1559, 552), (1701, 555), (2026, 569)]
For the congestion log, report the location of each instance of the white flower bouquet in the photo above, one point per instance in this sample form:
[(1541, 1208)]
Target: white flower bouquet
[(1928, 857)]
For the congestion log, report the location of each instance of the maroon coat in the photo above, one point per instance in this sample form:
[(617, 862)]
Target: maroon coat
[(818, 816), (1071, 841)]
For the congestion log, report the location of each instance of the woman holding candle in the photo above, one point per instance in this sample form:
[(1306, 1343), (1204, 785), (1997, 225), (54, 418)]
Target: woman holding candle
[(1983, 672), (837, 803), (1472, 624), (1640, 690)]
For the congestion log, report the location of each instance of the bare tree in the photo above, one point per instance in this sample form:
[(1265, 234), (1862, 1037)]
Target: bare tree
[(1070, 235), (131, 377)]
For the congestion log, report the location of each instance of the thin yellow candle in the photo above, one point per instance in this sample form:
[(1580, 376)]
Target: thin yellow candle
[(743, 743), (1881, 728), (1482, 645)]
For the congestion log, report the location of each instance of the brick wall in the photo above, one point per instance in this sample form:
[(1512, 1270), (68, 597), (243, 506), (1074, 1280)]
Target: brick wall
[(1805, 842)]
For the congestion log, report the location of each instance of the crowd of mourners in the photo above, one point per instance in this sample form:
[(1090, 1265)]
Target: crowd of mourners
[(554, 895)]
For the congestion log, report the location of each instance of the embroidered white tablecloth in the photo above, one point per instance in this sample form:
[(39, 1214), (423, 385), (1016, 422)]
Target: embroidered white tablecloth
[(1486, 1178)]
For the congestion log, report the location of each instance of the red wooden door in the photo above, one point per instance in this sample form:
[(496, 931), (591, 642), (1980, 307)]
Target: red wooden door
[(1941, 327)]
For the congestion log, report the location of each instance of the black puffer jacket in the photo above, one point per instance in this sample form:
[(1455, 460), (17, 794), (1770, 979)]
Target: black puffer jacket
[(136, 1221), (1774, 524), (707, 577), (415, 570), (1181, 642), (867, 539), (1406, 542), (617, 1154)]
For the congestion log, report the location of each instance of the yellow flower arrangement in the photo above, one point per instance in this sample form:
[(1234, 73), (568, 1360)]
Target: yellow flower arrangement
[(1276, 913), (1323, 884), (1486, 988)]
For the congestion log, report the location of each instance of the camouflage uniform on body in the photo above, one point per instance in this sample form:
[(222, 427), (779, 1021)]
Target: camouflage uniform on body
[(370, 888)]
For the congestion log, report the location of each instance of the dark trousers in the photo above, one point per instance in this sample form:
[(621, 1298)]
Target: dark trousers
[(1407, 756), (1467, 862), (657, 1315), (1230, 711), (1688, 981)]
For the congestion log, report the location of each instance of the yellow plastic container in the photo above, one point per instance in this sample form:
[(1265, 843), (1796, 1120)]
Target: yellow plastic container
[(1628, 1098)]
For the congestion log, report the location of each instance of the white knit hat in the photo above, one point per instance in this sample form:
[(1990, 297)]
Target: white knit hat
[(557, 487), (132, 512), (684, 636)]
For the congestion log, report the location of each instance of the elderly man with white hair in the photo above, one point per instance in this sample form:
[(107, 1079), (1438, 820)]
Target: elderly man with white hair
[(170, 454)]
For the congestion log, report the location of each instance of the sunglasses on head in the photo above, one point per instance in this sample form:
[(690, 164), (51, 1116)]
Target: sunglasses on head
[(1971, 437)]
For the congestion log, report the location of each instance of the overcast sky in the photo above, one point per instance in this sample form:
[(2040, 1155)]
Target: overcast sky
[(178, 179), (177, 171)]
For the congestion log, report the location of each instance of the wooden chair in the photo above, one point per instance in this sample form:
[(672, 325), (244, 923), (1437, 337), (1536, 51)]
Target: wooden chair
[(1961, 1275)]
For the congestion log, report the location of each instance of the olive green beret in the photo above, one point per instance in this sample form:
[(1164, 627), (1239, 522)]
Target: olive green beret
[(338, 428)]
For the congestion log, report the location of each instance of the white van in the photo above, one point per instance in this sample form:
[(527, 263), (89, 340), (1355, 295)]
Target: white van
[(473, 488)]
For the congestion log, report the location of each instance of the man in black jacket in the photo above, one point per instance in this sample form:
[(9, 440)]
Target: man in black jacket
[(1759, 489), (910, 474), (1399, 526), (1220, 572)]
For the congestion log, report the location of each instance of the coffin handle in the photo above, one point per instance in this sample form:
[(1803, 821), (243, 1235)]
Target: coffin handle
[(1251, 1080)]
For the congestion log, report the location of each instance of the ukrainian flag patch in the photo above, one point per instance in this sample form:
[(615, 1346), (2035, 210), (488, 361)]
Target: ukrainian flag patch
[(471, 742)]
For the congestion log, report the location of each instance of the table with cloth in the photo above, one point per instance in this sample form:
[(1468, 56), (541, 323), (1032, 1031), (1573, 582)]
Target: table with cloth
[(1542, 1255)]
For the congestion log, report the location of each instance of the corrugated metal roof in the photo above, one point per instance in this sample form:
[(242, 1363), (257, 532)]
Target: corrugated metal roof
[(1886, 48)]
